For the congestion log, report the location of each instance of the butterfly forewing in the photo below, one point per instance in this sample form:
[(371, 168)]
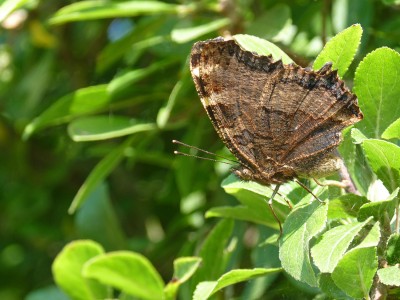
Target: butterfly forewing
[(279, 120)]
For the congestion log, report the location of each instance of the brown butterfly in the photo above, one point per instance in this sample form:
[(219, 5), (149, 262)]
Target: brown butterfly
[(280, 121)]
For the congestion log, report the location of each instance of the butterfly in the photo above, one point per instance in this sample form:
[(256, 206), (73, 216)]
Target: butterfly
[(281, 122)]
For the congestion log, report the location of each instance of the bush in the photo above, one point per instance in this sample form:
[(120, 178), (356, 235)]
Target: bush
[(93, 93)]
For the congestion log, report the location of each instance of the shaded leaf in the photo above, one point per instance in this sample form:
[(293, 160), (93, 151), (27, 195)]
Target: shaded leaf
[(271, 22), (82, 101), (98, 174), (213, 251), (379, 209), (51, 292), (393, 249), (328, 286), (97, 207), (127, 79)]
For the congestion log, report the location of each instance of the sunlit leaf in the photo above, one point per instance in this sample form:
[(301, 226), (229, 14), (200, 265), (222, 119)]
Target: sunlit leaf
[(105, 127), (333, 244), (183, 35), (205, 289), (67, 270), (377, 85), (355, 272), (302, 224), (262, 47), (393, 131), (129, 272), (383, 157), (340, 50), (96, 9)]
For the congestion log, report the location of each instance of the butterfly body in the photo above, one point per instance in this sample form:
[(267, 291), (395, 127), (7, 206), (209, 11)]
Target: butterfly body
[(280, 121)]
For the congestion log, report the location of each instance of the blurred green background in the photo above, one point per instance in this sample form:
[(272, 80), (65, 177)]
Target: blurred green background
[(91, 95)]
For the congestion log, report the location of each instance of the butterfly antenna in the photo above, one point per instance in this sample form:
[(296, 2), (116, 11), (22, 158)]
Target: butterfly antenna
[(308, 190), (271, 199), (207, 152), (200, 157)]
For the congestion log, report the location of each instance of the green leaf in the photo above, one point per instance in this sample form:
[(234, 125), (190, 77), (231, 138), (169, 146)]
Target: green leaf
[(390, 276), (129, 78), (141, 37), (98, 174), (391, 2), (328, 286), (356, 163), (333, 244), (372, 238), (9, 6), (184, 268), (105, 127), (164, 113), (92, 10), (393, 131), (393, 249), (377, 84), (380, 209), (340, 50), (82, 101), (205, 289), (270, 24), (241, 212), (50, 292), (67, 270), (184, 35), (383, 157), (253, 197), (213, 251), (357, 136), (345, 206), (97, 207), (129, 272), (262, 47), (355, 271), (301, 225)]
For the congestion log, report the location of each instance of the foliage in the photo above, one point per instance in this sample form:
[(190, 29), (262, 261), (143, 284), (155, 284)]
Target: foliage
[(93, 92)]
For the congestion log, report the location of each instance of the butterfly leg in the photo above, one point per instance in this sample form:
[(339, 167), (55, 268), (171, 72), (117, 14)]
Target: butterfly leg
[(287, 201), (272, 209), (308, 190), (341, 184)]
